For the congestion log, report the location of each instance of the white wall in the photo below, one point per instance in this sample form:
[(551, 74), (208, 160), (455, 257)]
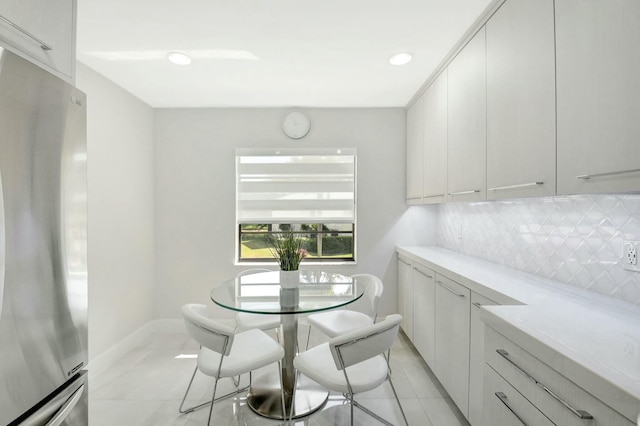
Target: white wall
[(121, 217), (195, 193)]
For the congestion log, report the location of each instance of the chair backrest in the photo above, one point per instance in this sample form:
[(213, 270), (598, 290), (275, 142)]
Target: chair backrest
[(252, 271), (370, 300), (209, 333), (365, 343)]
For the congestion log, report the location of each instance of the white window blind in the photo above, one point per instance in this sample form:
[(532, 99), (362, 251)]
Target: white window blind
[(295, 186)]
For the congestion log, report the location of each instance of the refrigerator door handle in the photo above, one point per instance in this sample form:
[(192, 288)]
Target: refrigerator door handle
[(66, 409), (2, 244), (57, 409)]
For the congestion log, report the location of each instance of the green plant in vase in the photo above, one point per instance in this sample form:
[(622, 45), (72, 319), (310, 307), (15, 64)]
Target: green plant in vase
[(287, 249)]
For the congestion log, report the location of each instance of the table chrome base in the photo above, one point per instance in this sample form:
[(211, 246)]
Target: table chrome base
[(264, 397)]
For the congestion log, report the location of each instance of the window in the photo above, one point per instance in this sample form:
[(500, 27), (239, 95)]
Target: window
[(309, 192)]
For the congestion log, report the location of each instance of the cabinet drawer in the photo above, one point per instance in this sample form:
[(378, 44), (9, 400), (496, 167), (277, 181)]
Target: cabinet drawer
[(562, 401), (504, 406)]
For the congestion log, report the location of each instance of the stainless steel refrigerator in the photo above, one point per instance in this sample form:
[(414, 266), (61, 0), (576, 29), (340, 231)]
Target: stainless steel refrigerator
[(43, 247)]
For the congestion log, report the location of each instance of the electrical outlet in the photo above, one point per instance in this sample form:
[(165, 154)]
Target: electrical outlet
[(630, 256)]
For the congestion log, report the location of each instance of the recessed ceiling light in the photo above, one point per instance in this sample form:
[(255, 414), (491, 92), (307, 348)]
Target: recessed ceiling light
[(178, 58), (400, 59)]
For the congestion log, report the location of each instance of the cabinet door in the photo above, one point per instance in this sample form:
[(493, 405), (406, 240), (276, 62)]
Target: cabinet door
[(405, 296), (424, 304), (452, 340), (415, 151), (598, 69), (434, 172), (476, 358), (467, 122), (521, 131), (42, 31)]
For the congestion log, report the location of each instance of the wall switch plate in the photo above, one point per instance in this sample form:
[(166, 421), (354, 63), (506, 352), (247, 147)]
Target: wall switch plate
[(630, 256)]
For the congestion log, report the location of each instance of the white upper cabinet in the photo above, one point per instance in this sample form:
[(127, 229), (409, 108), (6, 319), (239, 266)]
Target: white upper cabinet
[(434, 173), (415, 151), (598, 75), (521, 130), (42, 31), (467, 122)]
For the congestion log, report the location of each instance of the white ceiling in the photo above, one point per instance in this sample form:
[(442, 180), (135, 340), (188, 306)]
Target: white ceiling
[(271, 53)]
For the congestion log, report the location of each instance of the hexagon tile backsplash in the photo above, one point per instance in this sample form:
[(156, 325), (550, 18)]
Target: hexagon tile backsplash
[(572, 239)]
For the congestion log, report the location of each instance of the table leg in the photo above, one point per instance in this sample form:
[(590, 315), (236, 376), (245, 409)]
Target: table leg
[(264, 395), (289, 339)]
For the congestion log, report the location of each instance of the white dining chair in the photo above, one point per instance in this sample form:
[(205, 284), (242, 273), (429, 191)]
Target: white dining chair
[(361, 313), (353, 363), (223, 353), (247, 321)]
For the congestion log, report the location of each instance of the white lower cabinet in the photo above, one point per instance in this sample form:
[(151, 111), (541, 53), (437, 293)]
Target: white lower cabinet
[(424, 305), (405, 296), (492, 380), (452, 319), (476, 358), (416, 304), (559, 400)]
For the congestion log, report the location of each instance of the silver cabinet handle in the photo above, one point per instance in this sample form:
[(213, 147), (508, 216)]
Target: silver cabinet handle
[(43, 45), (595, 175), (477, 305), (434, 195), (404, 261), (503, 398), (581, 414), (423, 273), (522, 185), (449, 289), (473, 191)]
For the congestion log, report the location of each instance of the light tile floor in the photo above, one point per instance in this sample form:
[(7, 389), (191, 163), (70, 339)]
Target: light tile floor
[(147, 385)]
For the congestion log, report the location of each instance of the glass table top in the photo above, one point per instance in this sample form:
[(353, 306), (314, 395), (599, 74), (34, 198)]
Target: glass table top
[(263, 293)]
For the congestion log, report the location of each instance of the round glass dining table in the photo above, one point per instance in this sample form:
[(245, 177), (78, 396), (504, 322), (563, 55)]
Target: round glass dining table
[(274, 293)]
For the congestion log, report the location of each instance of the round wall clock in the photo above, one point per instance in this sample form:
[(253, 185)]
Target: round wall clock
[(296, 125)]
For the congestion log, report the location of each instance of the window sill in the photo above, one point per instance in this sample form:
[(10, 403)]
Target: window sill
[(313, 265)]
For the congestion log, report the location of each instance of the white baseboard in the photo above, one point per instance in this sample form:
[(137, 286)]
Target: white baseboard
[(169, 326), (110, 357)]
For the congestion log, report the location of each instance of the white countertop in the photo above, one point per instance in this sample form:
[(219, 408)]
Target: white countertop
[(592, 339)]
